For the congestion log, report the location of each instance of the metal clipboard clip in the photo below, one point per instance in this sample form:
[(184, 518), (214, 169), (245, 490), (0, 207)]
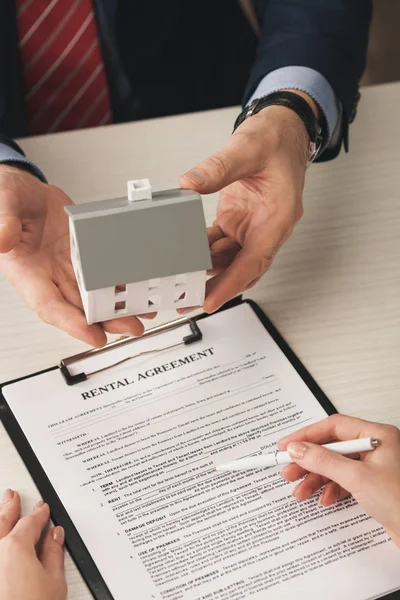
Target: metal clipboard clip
[(70, 379)]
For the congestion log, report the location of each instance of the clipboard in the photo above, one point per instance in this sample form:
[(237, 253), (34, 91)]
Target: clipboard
[(59, 515)]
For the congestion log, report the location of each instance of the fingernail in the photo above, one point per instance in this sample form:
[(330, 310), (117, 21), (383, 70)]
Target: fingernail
[(297, 450), (196, 177), (294, 492), (39, 504), (58, 535), (7, 496)]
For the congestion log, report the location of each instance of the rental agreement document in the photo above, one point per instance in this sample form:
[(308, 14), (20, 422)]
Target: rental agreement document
[(131, 454)]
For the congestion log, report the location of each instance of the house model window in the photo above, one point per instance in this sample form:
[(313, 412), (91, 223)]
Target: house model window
[(142, 253)]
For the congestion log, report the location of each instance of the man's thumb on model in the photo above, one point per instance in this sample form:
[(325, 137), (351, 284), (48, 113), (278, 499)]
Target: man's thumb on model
[(240, 157), (210, 176)]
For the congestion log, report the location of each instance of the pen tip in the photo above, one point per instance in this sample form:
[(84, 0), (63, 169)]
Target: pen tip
[(374, 442)]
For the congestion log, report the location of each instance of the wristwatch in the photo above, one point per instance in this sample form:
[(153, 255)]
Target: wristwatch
[(315, 129)]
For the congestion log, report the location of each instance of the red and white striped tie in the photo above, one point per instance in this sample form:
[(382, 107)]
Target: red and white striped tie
[(63, 70)]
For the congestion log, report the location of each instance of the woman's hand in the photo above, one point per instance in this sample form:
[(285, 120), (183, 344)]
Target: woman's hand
[(373, 479), (23, 573)]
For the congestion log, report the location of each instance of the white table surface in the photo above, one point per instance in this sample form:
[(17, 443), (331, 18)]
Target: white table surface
[(333, 291)]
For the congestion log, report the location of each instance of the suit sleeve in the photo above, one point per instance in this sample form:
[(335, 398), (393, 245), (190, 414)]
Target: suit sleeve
[(329, 36), (11, 98), (12, 154)]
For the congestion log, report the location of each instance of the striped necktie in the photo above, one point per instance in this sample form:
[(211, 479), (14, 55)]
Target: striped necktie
[(63, 71)]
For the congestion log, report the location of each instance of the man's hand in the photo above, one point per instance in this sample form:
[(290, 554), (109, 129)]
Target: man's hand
[(260, 172), (35, 256), (373, 480), (23, 573)]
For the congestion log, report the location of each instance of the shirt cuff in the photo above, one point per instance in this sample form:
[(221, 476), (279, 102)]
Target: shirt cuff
[(308, 81), (12, 157)]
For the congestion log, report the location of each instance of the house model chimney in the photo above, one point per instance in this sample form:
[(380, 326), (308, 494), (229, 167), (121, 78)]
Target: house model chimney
[(139, 189)]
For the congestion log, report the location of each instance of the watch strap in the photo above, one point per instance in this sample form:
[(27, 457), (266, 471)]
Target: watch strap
[(295, 103)]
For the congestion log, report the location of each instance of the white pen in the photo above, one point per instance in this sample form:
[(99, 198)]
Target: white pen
[(272, 459)]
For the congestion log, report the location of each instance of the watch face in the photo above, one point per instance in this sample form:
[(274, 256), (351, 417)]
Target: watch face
[(313, 150), (250, 109)]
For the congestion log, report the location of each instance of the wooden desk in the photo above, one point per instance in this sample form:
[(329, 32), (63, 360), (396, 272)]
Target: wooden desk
[(333, 291)]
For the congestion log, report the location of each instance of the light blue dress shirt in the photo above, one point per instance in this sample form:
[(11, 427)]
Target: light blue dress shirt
[(305, 80), (295, 78)]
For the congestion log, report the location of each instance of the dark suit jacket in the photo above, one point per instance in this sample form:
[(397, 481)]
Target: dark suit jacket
[(181, 56)]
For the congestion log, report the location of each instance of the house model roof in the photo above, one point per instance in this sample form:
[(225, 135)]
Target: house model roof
[(121, 242)]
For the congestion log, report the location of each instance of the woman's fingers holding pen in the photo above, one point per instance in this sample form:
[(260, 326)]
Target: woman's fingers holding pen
[(311, 483), (323, 465), (320, 461), (331, 493), (340, 428), (365, 478), (294, 472), (333, 428)]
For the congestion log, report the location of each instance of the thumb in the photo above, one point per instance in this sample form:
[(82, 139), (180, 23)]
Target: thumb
[(52, 552), (347, 472), (10, 232), (240, 157)]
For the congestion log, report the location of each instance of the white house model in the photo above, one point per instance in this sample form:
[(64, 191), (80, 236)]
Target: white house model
[(139, 254)]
